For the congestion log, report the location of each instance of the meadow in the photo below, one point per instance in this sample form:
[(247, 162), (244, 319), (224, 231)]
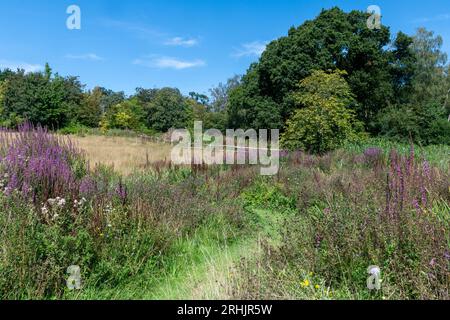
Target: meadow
[(124, 154), (139, 228), (91, 207)]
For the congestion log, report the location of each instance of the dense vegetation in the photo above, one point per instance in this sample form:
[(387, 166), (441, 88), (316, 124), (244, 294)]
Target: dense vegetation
[(309, 232), (345, 197), (399, 89)]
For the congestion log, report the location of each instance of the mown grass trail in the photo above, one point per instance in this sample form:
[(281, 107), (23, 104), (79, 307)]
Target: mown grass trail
[(207, 271), (202, 266)]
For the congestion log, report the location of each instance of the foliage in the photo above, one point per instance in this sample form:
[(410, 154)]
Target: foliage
[(90, 111), (248, 109), (220, 94), (425, 124), (166, 110), (39, 98), (429, 79), (423, 116), (333, 40), (126, 115), (325, 119)]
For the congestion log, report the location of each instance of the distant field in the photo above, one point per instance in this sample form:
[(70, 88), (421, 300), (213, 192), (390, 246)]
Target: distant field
[(125, 154)]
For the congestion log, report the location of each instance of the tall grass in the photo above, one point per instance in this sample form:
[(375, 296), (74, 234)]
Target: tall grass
[(317, 225), (353, 211), (438, 155)]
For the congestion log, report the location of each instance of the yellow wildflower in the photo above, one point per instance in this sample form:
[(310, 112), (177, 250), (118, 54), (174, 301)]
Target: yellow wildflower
[(305, 283)]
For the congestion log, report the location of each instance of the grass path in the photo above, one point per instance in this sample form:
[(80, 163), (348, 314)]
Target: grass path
[(201, 266), (210, 275)]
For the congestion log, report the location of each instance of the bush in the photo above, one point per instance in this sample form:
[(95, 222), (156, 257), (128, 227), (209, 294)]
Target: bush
[(425, 125), (127, 115), (75, 129)]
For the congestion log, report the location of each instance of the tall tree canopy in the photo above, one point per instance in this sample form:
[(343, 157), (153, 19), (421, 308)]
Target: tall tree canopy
[(334, 40), (39, 97), (166, 110), (422, 113)]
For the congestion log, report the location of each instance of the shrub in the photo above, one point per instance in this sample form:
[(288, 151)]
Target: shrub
[(75, 129), (128, 115), (424, 124)]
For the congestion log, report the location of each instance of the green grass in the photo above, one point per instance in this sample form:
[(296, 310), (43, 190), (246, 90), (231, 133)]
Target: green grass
[(201, 265), (198, 267), (436, 154), (268, 251)]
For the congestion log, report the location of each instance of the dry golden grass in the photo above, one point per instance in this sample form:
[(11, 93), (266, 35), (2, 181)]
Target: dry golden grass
[(123, 153)]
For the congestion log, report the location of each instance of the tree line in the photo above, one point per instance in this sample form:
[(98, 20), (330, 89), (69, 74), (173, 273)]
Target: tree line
[(329, 80)]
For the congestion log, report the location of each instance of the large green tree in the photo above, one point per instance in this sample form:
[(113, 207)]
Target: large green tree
[(333, 40), (166, 109), (39, 97), (90, 111), (422, 114), (128, 115), (324, 118)]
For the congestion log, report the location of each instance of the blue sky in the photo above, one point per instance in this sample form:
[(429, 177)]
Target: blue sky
[(192, 45)]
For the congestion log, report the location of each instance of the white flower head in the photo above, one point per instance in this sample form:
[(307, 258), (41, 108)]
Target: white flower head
[(61, 202)]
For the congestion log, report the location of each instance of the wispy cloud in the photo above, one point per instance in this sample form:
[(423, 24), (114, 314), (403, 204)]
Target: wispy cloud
[(440, 17), (137, 29), (181, 42), (169, 63), (255, 48), (150, 33), (14, 65), (87, 57)]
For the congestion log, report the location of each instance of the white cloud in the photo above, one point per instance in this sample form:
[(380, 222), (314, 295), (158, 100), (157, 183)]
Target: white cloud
[(88, 56), (441, 17), (255, 48), (137, 29), (169, 63), (181, 42), (14, 65)]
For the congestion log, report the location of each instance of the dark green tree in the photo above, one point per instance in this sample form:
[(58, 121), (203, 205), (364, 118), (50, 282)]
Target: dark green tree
[(421, 112), (90, 111), (40, 97), (333, 40), (166, 110)]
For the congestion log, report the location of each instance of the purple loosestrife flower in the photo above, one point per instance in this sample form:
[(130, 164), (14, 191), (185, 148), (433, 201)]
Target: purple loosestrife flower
[(121, 192), (447, 255), (426, 169), (373, 153), (416, 205), (411, 161), (38, 161), (284, 153), (372, 156), (87, 187)]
